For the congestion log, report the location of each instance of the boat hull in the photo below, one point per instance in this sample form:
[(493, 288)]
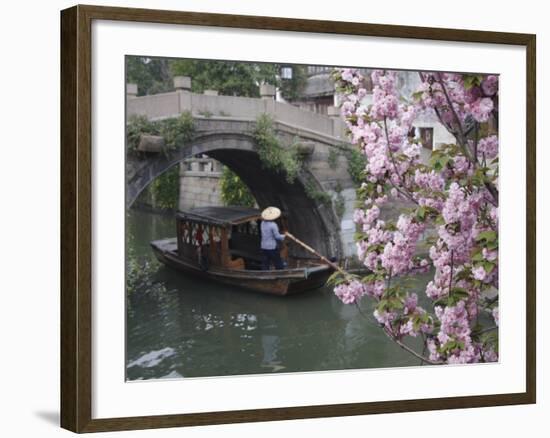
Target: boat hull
[(276, 282)]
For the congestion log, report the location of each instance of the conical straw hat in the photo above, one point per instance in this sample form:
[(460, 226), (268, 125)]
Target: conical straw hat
[(271, 213)]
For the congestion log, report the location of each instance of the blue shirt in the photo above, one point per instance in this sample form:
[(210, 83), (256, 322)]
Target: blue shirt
[(270, 235)]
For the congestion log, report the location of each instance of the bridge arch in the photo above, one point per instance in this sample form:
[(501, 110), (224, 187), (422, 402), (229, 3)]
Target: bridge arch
[(314, 222)]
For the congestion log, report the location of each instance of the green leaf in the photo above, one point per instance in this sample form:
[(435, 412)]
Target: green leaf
[(375, 247), (390, 226), (439, 161), (477, 256), (443, 301), (439, 220), (488, 236), (488, 266), (472, 81), (463, 275), (478, 178), (417, 95), (334, 278), (370, 278), (459, 292)]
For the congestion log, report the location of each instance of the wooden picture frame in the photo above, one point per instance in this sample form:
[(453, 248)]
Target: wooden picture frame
[(76, 217)]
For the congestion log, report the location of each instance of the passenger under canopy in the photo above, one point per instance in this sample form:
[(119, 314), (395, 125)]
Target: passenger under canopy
[(224, 236)]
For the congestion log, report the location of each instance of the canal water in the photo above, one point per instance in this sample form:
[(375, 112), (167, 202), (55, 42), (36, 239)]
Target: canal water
[(180, 326)]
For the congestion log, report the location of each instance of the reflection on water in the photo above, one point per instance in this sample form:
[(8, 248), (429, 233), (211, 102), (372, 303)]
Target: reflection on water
[(199, 328)]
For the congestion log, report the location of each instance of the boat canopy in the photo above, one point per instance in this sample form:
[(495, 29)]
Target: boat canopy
[(222, 216)]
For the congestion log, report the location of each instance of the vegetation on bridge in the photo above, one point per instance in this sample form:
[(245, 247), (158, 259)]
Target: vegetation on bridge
[(273, 155), (163, 192), (177, 131)]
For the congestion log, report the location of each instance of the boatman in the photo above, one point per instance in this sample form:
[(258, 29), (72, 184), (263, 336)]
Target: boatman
[(270, 237)]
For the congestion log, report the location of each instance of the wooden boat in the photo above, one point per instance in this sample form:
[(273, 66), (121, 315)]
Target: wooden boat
[(223, 244)]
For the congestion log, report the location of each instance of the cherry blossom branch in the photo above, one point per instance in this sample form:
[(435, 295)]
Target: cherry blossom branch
[(410, 350), (451, 274), (493, 191), (405, 193), (447, 126), (476, 139), (462, 139), (488, 329), (425, 345)]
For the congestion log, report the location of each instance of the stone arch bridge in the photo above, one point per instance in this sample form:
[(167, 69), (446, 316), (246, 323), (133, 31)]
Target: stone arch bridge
[(224, 128)]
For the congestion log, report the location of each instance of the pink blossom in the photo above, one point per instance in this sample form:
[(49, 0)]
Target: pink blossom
[(385, 100), (495, 315), (490, 85), (490, 355), (411, 303), (461, 356), (461, 164), (412, 150), (407, 329), (372, 214), (384, 317), (375, 289), (359, 216), (489, 255), (488, 147), (479, 273), (455, 327), (349, 73), (481, 109), (432, 348), (350, 292)]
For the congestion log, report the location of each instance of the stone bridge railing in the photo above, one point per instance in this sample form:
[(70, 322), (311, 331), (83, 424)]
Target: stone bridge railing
[(176, 102)]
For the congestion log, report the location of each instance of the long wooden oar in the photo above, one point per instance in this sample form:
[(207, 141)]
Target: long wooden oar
[(311, 250)]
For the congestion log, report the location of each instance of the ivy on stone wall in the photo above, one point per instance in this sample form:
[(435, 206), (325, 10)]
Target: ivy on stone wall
[(356, 165), (319, 196), (339, 203), (163, 193), (290, 161), (176, 131), (165, 190), (272, 155), (136, 126), (332, 159)]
